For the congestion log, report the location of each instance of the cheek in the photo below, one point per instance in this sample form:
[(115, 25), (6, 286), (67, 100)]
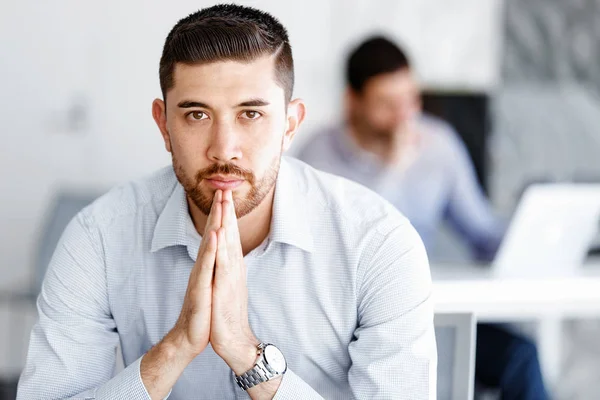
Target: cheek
[(263, 150), (190, 151), (266, 135), (264, 147), (184, 146)]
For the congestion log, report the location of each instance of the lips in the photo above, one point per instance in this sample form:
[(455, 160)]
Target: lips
[(224, 182)]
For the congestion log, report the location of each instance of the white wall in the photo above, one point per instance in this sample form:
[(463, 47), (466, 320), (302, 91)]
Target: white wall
[(55, 55)]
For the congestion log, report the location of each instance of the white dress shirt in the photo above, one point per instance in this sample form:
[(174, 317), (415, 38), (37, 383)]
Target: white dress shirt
[(341, 285)]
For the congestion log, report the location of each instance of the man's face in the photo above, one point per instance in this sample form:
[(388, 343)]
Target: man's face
[(387, 103), (226, 127)]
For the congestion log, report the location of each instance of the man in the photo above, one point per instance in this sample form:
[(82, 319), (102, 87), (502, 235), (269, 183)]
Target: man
[(236, 268), (419, 164)]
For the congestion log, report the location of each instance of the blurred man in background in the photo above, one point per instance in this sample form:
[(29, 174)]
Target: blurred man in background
[(419, 164)]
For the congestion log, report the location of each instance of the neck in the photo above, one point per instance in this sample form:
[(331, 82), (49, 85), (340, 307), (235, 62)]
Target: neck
[(254, 227)]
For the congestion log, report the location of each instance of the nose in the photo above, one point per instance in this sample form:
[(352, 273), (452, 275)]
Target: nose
[(224, 143)]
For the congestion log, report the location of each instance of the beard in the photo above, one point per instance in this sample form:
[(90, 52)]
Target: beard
[(203, 199)]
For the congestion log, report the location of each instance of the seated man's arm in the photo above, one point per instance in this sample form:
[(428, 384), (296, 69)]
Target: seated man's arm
[(394, 354), (469, 211), (73, 345)]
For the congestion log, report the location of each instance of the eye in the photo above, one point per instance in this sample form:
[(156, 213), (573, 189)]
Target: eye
[(198, 115), (251, 114)]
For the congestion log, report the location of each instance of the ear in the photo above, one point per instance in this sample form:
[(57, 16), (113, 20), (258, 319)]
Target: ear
[(351, 98), (159, 113), (295, 116)]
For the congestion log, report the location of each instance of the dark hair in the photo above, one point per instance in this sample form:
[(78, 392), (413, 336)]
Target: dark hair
[(375, 56), (228, 32)]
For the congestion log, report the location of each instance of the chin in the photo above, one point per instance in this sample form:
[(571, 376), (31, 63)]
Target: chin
[(238, 195)]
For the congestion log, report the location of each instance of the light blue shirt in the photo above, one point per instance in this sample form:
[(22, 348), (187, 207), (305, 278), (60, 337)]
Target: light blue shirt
[(439, 184), (341, 285)]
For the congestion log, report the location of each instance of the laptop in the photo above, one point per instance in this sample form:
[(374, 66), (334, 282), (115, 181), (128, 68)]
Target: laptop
[(551, 230)]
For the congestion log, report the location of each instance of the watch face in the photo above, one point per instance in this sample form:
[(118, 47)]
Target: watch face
[(275, 359)]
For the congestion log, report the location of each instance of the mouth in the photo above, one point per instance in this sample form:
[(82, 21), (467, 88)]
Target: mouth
[(224, 182)]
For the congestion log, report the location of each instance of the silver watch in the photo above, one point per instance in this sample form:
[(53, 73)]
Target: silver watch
[(270, 364)]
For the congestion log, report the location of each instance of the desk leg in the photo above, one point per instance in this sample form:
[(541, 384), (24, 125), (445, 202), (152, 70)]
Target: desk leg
[(549, 341)]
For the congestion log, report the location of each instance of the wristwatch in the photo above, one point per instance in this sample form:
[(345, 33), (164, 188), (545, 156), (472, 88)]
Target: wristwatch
[(270, 364)]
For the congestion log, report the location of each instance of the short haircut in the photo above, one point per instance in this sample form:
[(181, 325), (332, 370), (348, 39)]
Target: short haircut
[(228, 32), (375, 56)]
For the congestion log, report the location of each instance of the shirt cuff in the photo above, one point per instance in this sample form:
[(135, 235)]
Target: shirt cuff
[(126, 385), (293, 387)]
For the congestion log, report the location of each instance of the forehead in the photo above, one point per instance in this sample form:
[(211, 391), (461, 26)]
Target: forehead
[(392, 84), (226, 82)]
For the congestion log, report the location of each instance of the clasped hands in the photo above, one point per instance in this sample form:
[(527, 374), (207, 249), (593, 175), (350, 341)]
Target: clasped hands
[(215, 307)]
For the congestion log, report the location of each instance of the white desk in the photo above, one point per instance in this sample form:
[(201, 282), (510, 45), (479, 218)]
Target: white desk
[(496, 299), (544, 297)]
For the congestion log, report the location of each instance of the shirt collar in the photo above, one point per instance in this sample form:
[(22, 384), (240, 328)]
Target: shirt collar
[(289, 224), (174, 225)]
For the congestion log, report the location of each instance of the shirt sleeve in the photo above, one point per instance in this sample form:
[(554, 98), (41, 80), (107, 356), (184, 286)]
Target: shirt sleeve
[(72, 349), (293, 387), (468, 210), (394, 353)]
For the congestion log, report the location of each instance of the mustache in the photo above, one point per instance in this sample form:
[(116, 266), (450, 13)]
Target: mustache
[(225, 169)]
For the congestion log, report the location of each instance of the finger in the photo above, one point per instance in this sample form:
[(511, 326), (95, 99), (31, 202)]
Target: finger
[(213, 222), (230, 218), (222, 258), (206, 262), (232, 234)]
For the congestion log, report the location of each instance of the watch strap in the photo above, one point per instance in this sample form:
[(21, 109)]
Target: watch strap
[(256, 375)]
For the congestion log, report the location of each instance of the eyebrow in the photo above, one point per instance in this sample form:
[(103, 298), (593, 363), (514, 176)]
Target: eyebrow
[(254, 103), (191, 104), (248, 103)]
